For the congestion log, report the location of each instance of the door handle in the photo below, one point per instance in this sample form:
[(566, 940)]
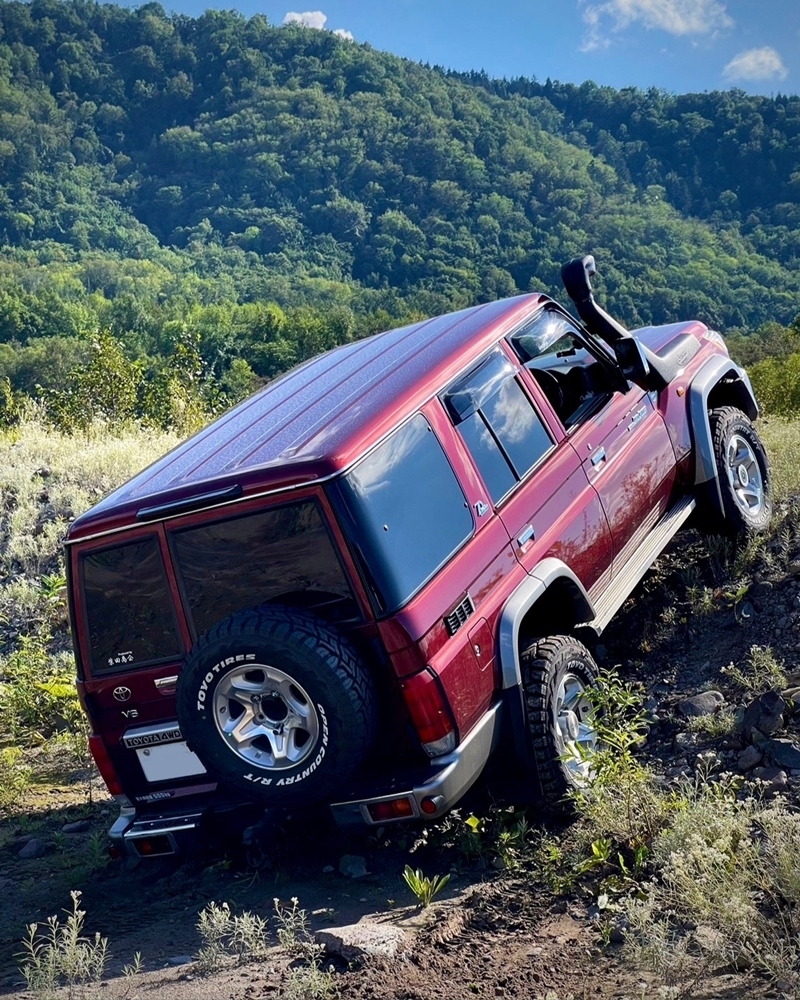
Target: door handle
[(598, 457), (526, 535)]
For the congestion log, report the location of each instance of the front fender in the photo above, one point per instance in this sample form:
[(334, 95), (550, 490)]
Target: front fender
[(740, 391)]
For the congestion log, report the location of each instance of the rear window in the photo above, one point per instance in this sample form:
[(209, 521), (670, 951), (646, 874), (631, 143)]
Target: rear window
[(405, 511), (280, 553), (128, 606)]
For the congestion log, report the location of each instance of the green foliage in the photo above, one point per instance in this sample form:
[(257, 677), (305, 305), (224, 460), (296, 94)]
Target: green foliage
[(354, 188), (425, 888), (59, 954), (37, 693), (230, 937), (761, 672), (623, 802), (106, 388), (15, 777)]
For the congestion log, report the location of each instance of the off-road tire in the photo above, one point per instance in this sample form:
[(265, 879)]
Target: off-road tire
[(325, 676), (728, 424), (545, 666)]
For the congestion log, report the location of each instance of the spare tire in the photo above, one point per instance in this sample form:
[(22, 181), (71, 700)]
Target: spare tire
[(278, 705)]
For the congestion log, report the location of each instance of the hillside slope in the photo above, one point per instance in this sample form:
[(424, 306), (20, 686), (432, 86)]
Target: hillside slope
[(286, 162)]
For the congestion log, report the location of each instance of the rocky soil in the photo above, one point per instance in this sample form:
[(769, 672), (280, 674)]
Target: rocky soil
[(494, 933)]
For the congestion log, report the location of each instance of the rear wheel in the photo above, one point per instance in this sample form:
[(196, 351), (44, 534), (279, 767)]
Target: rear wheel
[(277, 705), (557, 673)]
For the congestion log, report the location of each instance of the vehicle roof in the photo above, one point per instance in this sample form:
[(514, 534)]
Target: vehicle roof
[(317, 419)]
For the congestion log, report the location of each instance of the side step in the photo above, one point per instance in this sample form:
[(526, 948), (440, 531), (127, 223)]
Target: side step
[(639, 563)]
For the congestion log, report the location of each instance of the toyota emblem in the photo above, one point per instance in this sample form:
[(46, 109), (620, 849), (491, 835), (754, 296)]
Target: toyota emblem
[(122, 693)]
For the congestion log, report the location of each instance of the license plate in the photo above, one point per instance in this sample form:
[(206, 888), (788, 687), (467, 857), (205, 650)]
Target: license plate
[(168, 761)]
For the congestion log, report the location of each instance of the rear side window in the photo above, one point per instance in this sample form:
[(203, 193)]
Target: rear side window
[(405, 512), (128, 606), (499, 425), (280, 553)]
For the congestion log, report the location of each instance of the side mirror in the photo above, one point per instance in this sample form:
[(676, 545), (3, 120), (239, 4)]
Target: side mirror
[(632, 361)]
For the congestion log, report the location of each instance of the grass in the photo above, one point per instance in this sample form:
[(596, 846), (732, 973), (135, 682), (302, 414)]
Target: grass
[(782, 440), (47, 479)]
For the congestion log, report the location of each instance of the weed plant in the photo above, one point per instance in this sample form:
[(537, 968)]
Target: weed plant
[(761, 672), (623, 802), (425, 888), (58, 954), (230, 938)]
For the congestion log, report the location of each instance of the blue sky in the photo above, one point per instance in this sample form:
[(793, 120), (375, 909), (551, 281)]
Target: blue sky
[(678, 45)]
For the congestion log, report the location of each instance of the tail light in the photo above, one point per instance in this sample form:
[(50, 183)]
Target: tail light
[(98, 750), (430, 712)]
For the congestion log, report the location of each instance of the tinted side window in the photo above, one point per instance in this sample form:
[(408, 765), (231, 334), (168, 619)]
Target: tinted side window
[(128, 606), (492, 463), (498, 423), (405, 511), (241, 562), (517, 427)]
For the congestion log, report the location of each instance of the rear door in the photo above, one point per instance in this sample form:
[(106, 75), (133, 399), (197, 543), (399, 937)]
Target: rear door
[(533, 477)]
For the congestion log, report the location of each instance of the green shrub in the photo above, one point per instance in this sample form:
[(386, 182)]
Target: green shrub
[(37, 693)]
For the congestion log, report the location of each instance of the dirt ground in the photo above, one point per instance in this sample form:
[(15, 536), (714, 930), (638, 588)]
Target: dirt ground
[(493, 934)]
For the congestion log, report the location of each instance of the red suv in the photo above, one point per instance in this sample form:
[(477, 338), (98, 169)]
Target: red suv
[(368, 580)]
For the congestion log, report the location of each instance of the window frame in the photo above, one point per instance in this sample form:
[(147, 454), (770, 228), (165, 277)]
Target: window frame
[(457, 389), (87, 652), (596, 348)]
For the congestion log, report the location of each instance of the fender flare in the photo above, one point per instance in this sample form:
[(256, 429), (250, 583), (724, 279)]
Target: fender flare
[(519, 604), (706, 379)]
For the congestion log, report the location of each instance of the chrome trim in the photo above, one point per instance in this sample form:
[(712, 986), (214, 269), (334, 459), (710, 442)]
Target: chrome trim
[(181, 823), (165, 682)]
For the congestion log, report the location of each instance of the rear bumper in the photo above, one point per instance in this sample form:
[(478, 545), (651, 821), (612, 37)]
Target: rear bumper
[(437, 789), (430, 793), (154, 835)]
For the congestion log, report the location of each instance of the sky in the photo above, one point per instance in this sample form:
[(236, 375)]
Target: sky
[(677, 45)]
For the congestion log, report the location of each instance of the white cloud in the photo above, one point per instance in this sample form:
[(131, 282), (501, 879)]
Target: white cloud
[(756, 64), (677, 17), (317, 20), (309, 19)]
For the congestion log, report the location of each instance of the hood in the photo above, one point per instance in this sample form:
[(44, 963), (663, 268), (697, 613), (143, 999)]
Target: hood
[(659, 337)]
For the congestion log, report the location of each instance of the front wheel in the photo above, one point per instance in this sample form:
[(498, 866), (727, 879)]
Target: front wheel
[(744, 474), (557, 673)]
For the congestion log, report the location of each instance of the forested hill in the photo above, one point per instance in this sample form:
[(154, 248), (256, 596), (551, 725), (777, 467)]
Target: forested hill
[(152, 165)]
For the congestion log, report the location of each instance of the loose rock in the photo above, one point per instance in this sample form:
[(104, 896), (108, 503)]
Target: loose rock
[(355, 941), (783, 752), (765, 714), (774, 779), (180, 960), (33, 849), (77, 827), (705, 703), (352, 866), (749, 758)]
